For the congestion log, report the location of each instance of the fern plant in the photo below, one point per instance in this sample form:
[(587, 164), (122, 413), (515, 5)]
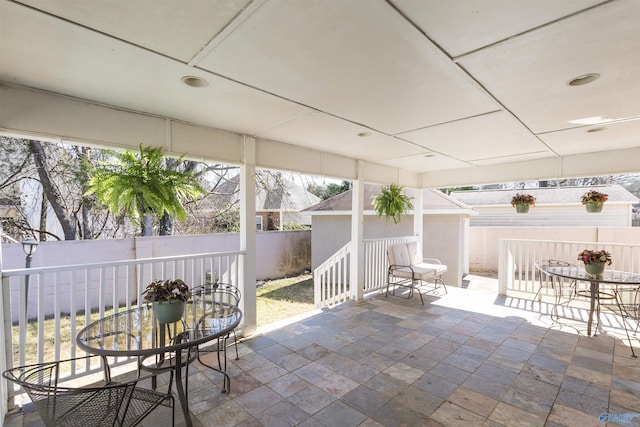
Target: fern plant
[(142, 184), (391, 202)]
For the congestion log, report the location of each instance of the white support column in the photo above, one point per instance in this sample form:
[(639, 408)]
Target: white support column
[(505, 267), (7, 346), (418, 216), (356, 277), (248, 234)]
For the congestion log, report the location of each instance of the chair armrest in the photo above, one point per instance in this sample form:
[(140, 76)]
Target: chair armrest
[(431, 260), (396, 266)]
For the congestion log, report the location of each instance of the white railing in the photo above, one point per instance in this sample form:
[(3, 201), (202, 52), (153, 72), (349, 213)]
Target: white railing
[(44, 308), (517, 258), (331, 278), (376, 263)]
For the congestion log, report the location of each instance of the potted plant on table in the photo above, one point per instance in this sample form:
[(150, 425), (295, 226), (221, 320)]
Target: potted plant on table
[(168, 298), (594, 261), (522, 202), (593, 200)]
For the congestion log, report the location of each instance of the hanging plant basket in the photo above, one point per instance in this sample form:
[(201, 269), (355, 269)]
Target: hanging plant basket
[(522, 202), (594, 207), (391, 202), (594, 200)]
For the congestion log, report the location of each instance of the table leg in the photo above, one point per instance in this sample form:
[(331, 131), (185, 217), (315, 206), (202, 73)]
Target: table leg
[(592, 304), (182, 393)]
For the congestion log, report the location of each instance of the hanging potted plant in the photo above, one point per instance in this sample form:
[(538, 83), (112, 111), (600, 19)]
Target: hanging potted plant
[(522, 202), (168, 298), (391, 202), (594, 261), (593, 200)]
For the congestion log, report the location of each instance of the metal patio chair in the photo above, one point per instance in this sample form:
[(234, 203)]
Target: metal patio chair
[(627, 305), (562, 288), (105, 404), (218, 298)]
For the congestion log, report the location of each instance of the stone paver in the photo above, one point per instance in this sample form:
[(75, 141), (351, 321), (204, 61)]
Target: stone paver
[(461, 359)]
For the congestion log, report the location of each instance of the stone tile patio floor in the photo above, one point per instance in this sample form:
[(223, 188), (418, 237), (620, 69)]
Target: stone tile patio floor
[(466, 358)]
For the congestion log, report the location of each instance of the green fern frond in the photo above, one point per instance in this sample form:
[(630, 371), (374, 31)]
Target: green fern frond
[(391, 202)]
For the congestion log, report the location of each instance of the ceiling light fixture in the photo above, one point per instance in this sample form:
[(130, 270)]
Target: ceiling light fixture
[(194, 81), (583, 80), (599, 120)]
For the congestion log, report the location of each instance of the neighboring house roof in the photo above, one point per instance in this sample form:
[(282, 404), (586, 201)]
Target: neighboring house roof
[(288, 196), (434, 202), (544, 196)]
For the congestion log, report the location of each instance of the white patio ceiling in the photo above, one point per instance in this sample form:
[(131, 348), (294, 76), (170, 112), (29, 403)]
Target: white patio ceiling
[(424, 92)]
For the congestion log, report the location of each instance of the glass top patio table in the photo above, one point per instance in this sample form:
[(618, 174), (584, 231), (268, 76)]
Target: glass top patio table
[(135, 332), (613, 277)]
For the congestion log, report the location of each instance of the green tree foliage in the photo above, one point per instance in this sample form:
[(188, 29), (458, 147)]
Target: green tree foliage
[(329, 190), (142, 184)]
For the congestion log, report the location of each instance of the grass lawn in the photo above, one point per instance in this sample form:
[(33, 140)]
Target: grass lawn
[(284, 298), (276, 300)]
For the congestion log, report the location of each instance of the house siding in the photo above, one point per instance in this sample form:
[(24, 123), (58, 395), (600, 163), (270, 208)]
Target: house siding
[(612, 215), (443, 238)]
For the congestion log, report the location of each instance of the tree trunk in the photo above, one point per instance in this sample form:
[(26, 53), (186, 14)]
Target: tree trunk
[(166, 224), (147, 225), (50, 192), (44, 207), (87, 201)]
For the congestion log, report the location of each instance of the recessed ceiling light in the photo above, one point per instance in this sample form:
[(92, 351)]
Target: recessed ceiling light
[(583, 80), (194, 81), (596, 130), (364, 134)]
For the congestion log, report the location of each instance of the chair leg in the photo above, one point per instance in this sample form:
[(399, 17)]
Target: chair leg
[(624, 322), (536, 296), (438, 279), (419, 293), (235, 343)]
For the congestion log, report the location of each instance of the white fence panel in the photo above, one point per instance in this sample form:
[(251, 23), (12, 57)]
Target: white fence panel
[(74, 295), (517, 272)]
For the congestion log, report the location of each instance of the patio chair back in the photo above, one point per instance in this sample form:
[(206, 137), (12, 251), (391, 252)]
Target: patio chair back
[(564, 290), (68, 406), (102, 404), (222, 299)]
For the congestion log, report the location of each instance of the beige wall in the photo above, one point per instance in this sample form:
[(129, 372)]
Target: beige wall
[(483, 241), (279, 253), (444, 238)]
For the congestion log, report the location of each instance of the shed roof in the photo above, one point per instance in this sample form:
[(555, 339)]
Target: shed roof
[(544, 195), (434, 201)]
